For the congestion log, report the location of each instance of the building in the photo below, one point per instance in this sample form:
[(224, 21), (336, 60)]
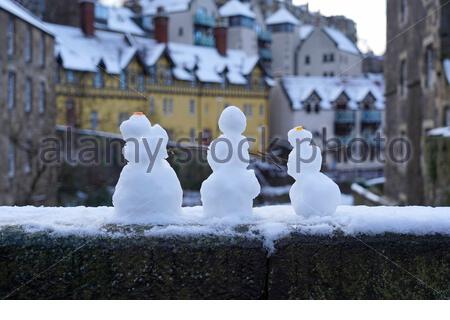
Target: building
[(336, 110), (417, 89), (181, 86), (303, 49), (27, 107)]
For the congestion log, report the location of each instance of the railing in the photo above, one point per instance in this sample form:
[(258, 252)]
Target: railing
[(265, 35), (204, 19), (265, 53), (345, 117), (204, 40), (371, 116)]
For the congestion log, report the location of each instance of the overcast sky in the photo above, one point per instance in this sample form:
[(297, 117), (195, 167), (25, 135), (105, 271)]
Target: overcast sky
[(369, 15)]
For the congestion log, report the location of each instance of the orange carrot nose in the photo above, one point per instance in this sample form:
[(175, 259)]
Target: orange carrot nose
[(139, 113), (299, 128)]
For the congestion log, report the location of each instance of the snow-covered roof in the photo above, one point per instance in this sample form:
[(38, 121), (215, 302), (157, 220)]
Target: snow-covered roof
[(300, 88), (20, 12), (447, 69), (115, 51), (120, 19), (305, 31), (236, 8), (342, 42), (150, 7), (82, 53), (282, 15)]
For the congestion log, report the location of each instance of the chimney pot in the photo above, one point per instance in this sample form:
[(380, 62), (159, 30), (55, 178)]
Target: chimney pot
[(161, 22), (220, 36), (87, 17)]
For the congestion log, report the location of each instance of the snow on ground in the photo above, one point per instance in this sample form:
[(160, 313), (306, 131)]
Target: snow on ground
[(272, 222)]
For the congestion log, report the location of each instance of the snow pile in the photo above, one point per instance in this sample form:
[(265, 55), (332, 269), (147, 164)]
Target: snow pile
[(342, 42), (150, 7), (440, 132), (305, 31)]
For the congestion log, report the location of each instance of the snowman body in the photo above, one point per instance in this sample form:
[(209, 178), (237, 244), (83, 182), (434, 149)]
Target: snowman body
[(148, 189), (313, 193), (230, 190)]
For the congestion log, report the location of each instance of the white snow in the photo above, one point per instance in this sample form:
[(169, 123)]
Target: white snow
[(342, 42), (236, 8), (231, 188), (150, 7), (120, 19), (270, 222), (23, 14), (148, 189), (116, 50), (313, 193), (305, 31), (447, 69), (300, 88), (443, 131), (282, 15)]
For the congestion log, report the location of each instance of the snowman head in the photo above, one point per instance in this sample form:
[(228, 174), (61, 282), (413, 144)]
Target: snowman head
[(232, 121), (305, 153), (136, 127), (299, 134)]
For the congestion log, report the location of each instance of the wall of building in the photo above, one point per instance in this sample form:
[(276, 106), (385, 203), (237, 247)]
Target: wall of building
[(21, 131)]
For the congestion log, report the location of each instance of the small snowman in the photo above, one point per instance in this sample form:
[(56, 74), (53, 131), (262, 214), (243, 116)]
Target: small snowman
[(313, 193), (148, 189), (230, 190)]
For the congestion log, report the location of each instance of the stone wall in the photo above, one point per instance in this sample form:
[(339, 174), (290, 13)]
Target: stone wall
[(46, 266), (437, 159)]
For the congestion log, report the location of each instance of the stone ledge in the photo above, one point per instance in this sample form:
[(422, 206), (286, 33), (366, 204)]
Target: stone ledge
[(140, 266)]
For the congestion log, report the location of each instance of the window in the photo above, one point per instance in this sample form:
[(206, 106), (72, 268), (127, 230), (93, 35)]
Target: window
[(28, 51), (70, 76), (331, 74), (403, 77), (98, 79), (180, 31), (28, 95), (123, 84), (151, 105), (42, 52), (11, 160), (152, 74), (248, 110), (325, 58), (141, 83), (307, 60), (317, 108), (192, 106), (261, 110), (429, 65), (11, 96), (94, 120), (71, 116), (10, 37), (331, 58), (42, 97), (167, 106), (403, 11), (168, 77), (308, 108), (192, 134)]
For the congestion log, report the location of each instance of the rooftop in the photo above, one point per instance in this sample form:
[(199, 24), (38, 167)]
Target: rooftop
[(282, 15), (236, 8), (20, 12), (300, 88)]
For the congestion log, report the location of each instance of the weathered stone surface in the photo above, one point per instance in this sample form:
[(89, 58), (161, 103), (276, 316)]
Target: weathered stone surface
[(362, 267), (45, 266)]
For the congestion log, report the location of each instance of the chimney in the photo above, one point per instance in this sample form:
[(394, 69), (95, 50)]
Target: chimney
[(161, 22), (220, 36), (87, 17)]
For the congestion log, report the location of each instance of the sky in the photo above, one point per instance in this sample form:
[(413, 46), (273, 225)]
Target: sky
[(369, 15)]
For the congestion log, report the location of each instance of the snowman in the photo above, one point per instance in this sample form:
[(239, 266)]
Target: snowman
[(231, 188), (148, 189), (313, 193)]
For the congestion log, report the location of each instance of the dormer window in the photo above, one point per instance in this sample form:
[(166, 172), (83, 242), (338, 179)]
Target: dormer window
[(123, 80), (341, 102), (241, 21), (98, 79), (282, 27)]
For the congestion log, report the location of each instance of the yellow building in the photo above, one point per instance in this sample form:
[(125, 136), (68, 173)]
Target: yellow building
[(102, 79)]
